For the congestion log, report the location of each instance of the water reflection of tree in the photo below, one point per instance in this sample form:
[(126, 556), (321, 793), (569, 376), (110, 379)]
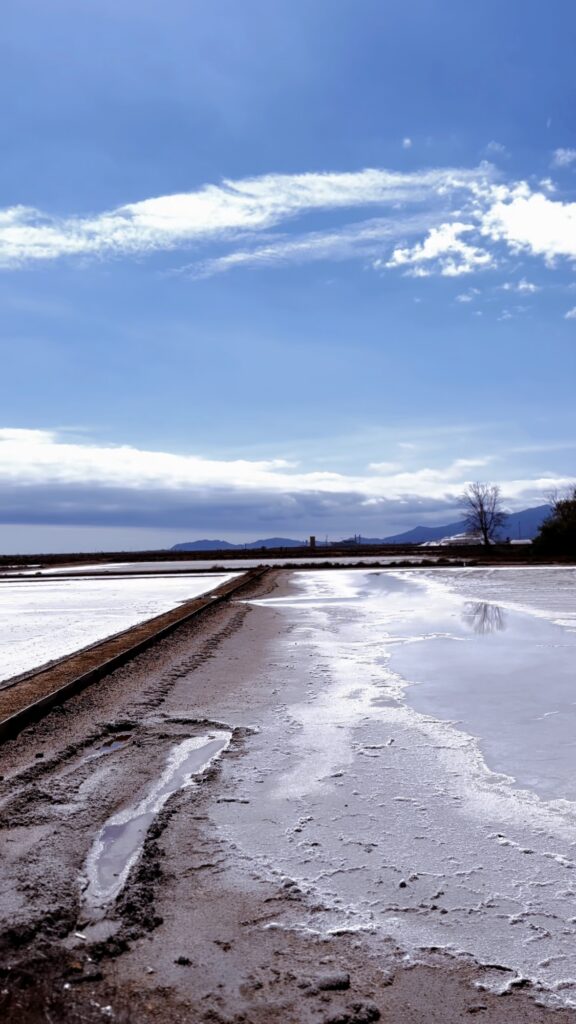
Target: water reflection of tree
[(483, 617)]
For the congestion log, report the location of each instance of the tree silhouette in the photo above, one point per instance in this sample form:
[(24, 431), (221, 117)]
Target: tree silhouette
[(483, 512), (557, 535)]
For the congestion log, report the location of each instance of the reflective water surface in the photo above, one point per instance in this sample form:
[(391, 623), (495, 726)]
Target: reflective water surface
[(119, 842), (410, 777), (505, 677)]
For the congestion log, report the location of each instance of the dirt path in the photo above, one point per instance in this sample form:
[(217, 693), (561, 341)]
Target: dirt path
[(197, 932)]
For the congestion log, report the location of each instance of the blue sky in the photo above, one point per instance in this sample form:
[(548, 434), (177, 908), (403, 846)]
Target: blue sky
[(282, 267)]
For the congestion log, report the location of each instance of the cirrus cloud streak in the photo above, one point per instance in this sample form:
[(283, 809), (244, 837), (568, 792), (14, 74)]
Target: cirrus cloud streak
[(216, 212), (467, 220)]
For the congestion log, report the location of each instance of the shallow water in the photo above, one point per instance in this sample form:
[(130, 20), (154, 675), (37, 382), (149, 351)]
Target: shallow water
[(548, 592), (506, 678), (109, 746), (120, 841), (133, 568), (414, 779)]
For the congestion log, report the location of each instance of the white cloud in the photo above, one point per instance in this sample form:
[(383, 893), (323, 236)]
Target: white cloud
[(462, 219), (523, 286), (510, 314), (468, 296), (530, 221), (443, 251), (384, 467), (406, 143), (218, 212), (571, 314), (352, 241), (17, 435), (38, 457), (563, 157), (33, 458)]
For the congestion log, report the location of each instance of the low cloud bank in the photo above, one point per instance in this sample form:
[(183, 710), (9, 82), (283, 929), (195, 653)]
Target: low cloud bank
[(45, 479), (252, 515)]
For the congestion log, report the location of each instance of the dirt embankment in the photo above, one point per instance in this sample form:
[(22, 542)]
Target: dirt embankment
[(197, 933)]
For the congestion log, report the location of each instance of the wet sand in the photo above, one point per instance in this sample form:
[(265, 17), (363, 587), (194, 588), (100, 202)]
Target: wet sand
[(204, 929)]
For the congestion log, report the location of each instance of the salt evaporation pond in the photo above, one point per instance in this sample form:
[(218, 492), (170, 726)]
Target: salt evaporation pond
[(416, 780), (41, 620), (200, 564), (502, 676)]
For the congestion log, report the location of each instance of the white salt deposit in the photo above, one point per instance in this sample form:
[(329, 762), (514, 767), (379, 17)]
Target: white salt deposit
[(134, 568), (413, 781), (41, 620)]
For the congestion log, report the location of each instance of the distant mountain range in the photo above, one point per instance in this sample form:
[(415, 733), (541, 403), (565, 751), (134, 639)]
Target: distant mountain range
[(518, 526), (224, 545)]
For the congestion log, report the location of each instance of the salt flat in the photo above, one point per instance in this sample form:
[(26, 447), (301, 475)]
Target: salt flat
[(386, 794), (47, 619), (421, 761), (134, 568)]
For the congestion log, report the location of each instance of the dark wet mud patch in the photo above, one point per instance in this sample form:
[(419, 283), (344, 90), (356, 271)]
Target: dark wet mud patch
[(99, 741), (109, 746), (198, 723), (34, 935), (55, 784), (52, 989), (36, 795), (34, 806)]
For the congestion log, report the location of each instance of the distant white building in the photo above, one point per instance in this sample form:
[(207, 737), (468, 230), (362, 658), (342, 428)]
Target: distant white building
[(464, 539)]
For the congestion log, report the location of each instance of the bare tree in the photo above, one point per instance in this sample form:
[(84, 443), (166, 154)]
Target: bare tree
[(483, 512)]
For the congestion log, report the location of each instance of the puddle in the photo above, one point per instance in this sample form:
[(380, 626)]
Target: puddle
[(503, 676), (108, 747), (500, 674), (119, 842)]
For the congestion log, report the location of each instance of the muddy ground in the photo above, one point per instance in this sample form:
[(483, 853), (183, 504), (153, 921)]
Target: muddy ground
[(198, 932)]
